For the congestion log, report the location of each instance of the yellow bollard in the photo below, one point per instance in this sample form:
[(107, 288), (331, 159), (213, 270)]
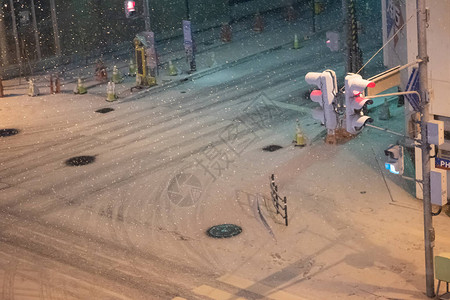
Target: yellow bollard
[(300, 139), (296, 43), (116, 77), (172, 69), (79, 88), (111, 92)]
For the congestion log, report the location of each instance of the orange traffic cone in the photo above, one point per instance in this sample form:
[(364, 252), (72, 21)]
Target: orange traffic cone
[(225, 33), (291, 14), (57, 85), (51, 84), (1, 88), (100, 71), (258, 25)]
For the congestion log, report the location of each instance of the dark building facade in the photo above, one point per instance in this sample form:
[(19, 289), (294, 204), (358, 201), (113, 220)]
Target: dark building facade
[(35, 31)]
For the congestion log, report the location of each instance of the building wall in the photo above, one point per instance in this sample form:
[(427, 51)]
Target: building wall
[(438, 47)]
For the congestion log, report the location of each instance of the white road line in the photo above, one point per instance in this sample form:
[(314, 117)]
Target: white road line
[(257, 288), (213, 293)]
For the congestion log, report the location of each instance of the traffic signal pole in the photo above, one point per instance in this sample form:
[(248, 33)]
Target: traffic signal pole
[(146, 16), (429, 235)]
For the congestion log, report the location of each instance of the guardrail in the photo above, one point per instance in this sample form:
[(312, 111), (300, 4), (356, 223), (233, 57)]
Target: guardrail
[(279, 202)]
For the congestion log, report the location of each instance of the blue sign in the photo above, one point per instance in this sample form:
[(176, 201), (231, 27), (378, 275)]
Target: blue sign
[(442, 163), (413, 85)]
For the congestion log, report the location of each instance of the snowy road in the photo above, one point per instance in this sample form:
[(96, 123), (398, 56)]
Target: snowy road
[(132, 224), (167, 167)]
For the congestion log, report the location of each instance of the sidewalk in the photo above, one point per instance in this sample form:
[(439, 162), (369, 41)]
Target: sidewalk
[(212, 55)]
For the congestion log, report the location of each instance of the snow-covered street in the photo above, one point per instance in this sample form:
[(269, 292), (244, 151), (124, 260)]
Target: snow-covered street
[(170, 164)]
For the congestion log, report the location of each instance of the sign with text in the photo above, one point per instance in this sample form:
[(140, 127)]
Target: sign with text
[(442, 163)]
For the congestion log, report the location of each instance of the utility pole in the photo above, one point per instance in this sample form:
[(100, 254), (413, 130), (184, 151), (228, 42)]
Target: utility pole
[(16, 37), (188, 13), (55, 28), (429, 235), (36, 31), (354, 56), (147, 16), (345, 23)]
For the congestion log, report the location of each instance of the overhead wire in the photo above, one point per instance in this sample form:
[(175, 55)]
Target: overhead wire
[(379, 50)]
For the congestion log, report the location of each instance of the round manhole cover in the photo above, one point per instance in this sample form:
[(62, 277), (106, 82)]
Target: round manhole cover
[(184, 189), (272, 148), (8, 132), (104, 110), (224, 231), (80, 160)]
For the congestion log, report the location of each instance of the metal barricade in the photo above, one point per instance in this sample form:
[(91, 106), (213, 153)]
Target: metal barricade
[(279, 202)]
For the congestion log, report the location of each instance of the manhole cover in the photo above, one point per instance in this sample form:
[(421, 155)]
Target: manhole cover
[(8, 132), (224, 231), (80, 160), (104, 110), (184, 189), (272, 148)]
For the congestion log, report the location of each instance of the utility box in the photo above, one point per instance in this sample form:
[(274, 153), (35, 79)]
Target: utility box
[(435, 132), (438, 182), (442, 267)]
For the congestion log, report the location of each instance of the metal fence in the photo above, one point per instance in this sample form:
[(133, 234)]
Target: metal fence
[(279, 202)]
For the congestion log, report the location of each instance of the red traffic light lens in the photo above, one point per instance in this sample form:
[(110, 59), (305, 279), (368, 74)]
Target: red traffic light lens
[(316, 93), (131, 5)]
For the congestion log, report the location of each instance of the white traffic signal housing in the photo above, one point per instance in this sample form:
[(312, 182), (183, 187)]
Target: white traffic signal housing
[(395, 159), (355, 101), (130, 8), (325, 96), (333, 40)]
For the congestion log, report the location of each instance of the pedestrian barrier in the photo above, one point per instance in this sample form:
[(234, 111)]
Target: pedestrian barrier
[(279, 202)]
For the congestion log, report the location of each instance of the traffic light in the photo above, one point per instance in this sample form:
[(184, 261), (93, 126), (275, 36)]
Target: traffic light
[(325, 96), (395, 159), (333, 41), (130, 8), (355, 102)]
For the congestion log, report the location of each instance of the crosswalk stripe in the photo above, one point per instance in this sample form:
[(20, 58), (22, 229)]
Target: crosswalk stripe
[(257, 288), (213, 293)]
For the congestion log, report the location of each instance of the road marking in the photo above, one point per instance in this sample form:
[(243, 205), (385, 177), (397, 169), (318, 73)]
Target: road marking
[(216, 294), (257, 288)]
